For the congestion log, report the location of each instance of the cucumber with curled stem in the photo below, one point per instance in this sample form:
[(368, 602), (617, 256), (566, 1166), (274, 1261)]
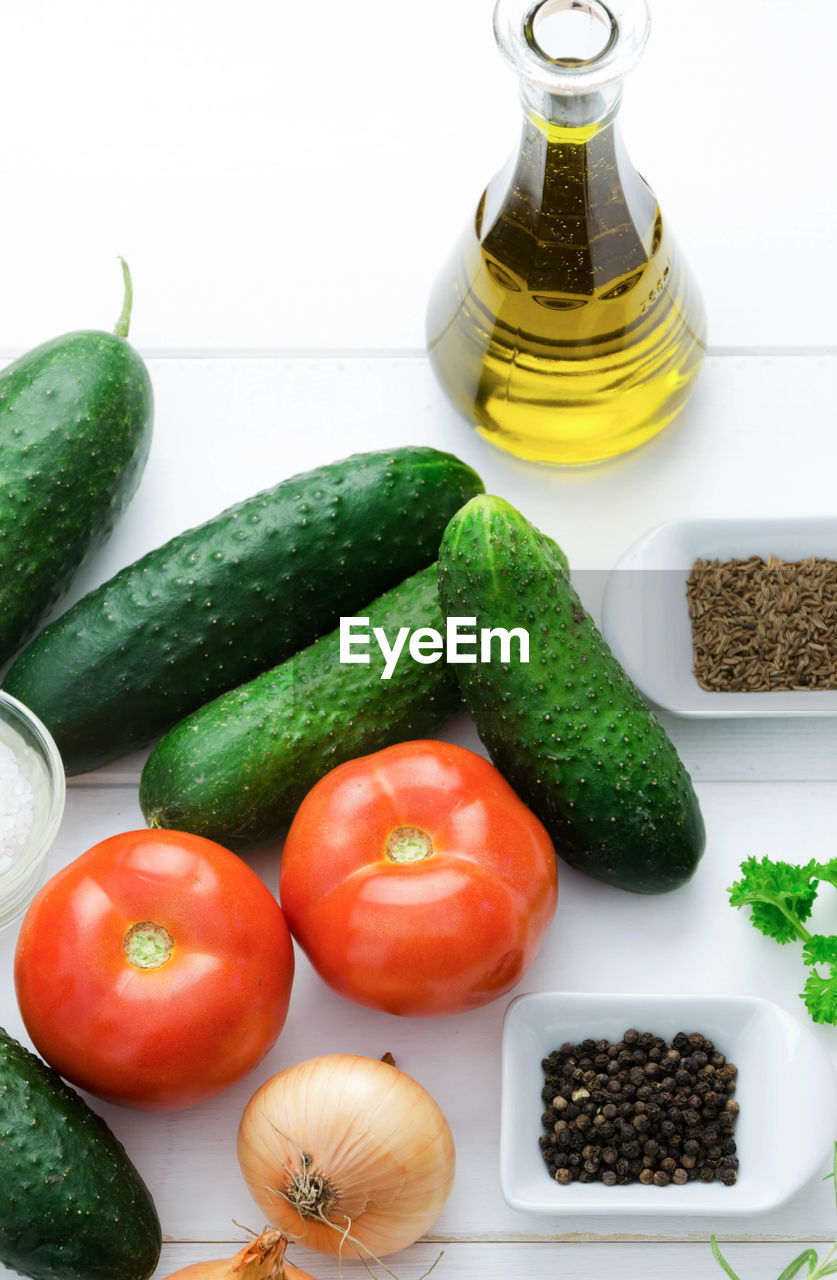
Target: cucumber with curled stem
[(76, 419)]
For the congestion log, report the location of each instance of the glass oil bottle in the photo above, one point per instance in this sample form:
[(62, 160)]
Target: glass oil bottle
[(566, 326)]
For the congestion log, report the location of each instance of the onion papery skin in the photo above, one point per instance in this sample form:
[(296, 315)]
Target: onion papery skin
[(261, 1259), (371, 1130), (222, 1269)]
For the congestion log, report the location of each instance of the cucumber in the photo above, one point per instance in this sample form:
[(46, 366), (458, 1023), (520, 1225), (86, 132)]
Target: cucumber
[(217, 605), (73, 1205), (75, 430), (237, 769), (568, 729)]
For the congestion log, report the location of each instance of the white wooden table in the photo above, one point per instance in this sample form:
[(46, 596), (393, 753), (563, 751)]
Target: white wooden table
[(284, 185)]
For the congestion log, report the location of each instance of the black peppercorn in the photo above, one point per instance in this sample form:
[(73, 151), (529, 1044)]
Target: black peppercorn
[(639, 1109)]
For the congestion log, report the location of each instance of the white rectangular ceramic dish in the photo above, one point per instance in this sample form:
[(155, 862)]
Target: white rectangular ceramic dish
[(786, 1089), (645, 616)]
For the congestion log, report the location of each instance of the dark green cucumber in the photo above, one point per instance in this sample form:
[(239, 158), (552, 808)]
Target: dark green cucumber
[(237, 769), (568, 729), (75, 429), (217, 605), (73, 1205)]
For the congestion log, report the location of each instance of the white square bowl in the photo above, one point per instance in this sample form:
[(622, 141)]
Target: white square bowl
[(645, 612), (786, 1088)]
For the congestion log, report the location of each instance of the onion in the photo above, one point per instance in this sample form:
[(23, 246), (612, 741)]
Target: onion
[(343, 1149), (261, 1259)]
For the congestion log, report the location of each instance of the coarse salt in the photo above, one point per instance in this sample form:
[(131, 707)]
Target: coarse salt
[(17, 807)]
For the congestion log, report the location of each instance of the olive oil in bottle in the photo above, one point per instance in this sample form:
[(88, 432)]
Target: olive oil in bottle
[(566, 325)]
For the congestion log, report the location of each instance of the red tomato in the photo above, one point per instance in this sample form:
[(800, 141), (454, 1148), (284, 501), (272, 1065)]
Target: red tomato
[(154, 970), (416, 881)]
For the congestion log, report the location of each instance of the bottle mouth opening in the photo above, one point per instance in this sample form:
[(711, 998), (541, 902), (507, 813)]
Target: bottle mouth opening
[(570, 33), (571, 46)]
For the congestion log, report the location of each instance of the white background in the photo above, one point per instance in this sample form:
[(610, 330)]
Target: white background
[(289, 176), (285, 181)]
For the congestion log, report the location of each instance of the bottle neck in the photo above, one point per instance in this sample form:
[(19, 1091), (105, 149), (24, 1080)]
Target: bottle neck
[(571, 56), (570, 110)]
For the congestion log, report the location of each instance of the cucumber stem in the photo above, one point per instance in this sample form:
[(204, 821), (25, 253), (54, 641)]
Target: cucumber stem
[(123, 323)]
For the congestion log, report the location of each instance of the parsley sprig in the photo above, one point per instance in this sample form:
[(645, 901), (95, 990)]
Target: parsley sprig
[(781, 896), (808, 1257)]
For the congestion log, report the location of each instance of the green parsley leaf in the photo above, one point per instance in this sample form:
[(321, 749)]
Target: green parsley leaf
[(820, 949), (827, 871), (780, 894), (820, 996)]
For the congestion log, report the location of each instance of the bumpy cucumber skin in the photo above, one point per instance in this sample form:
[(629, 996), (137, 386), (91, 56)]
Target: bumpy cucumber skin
[(220, 603), (74, 1207), (569, 730), (237, 770), (75, 429)]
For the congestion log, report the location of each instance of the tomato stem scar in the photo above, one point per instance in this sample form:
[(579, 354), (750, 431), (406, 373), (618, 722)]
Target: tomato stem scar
[(147, 945), (409, 844)]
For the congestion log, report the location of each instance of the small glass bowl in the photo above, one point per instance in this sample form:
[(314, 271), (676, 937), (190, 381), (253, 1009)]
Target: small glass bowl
[(37, 755)]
